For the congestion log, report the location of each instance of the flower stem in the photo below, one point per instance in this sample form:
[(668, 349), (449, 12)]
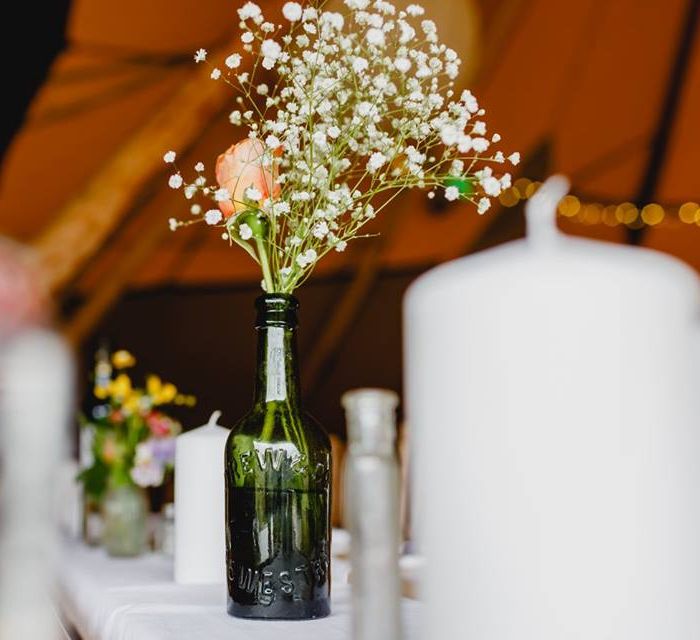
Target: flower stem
[(265, 264)]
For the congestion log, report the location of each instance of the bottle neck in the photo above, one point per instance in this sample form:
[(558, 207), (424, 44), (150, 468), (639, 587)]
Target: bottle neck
[(277, 378), (371, 421)]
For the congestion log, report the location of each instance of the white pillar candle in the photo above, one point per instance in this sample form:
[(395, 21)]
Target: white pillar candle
[(200, 548), (36, 386), (551, 389)]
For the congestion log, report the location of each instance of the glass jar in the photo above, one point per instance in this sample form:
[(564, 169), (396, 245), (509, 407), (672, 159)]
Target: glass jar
[(125, 514)]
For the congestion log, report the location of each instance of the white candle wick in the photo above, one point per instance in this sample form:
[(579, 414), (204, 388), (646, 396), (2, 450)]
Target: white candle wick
[(541, 210), (214, 419)]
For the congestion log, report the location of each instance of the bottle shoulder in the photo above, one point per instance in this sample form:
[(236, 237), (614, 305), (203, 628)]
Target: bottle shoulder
[(276, 446), (278, 423)]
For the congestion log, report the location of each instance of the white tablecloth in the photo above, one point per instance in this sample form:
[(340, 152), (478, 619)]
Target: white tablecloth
[(136, 599)]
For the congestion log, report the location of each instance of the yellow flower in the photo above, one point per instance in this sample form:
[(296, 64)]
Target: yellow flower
[(188, 401), (160, 393), (101, 392), (132, 403), (153, 385), (122, 359), (120, 387), (167, 393)]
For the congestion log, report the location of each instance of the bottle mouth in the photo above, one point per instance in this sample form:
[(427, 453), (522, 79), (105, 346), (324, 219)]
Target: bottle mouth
[(276, 310)]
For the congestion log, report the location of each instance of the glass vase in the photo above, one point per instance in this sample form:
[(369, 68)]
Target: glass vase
[(125, 514), (277, 486)]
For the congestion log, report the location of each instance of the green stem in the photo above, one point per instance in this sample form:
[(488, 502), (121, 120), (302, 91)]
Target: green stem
[(269, 423), (265, 264)]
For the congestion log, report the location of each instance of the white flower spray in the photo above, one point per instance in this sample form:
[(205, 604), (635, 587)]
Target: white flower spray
[(363, 107)]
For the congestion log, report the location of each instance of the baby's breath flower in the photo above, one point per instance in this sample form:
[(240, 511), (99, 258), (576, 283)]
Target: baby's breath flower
[(272, 141), (359, 65), (376, 160), (357, 4), (307, 258), (363, 96), (292, 11), (375, 37), (233, 61), (483, 206), (175, 181), (213, 216), (480, 144), (252, 193), (270, 49), (320, 230), (199, 167), (222, 195), (249, 10), (491, 186), (200, 55), (169, 157), (245, 231), (514, 158), (402, 64), (451, 193)]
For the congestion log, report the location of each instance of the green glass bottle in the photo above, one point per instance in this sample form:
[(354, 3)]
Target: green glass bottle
[(278, 486)]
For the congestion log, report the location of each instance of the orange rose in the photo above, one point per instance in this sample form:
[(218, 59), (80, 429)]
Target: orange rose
[(240, 167)]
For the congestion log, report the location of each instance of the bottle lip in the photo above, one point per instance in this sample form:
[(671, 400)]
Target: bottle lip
[(276, 310), (371, 398)]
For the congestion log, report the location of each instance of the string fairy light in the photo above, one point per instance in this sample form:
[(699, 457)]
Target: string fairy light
[(612, 215)]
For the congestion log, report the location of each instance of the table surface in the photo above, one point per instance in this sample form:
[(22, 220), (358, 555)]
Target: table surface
[(136, 599)]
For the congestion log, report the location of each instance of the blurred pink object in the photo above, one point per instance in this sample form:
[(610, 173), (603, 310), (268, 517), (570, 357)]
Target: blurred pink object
[(23, 298)]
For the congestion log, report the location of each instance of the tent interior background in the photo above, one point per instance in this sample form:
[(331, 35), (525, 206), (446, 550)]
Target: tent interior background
[(606, 92)]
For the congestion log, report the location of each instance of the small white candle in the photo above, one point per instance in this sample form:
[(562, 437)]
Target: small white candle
[(200, 548), (552, 391)]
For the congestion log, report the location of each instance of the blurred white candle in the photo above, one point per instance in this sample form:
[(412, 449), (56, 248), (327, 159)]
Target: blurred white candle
[(35, 405), (200, 551), (552, 392)]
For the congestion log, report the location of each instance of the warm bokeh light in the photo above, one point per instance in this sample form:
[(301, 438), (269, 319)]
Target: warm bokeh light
[(652, 214), (689, 212), (509, 197), (611, 215), (569, 206), (626, 213)]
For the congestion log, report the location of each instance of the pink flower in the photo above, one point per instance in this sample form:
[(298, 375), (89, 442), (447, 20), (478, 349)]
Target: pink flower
[(159, 424), (240, 167)]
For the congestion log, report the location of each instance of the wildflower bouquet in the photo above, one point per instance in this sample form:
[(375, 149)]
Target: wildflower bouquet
[(343, 112), (132, 440)]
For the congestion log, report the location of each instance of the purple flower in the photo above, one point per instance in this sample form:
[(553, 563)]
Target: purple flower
[(163, 450)]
